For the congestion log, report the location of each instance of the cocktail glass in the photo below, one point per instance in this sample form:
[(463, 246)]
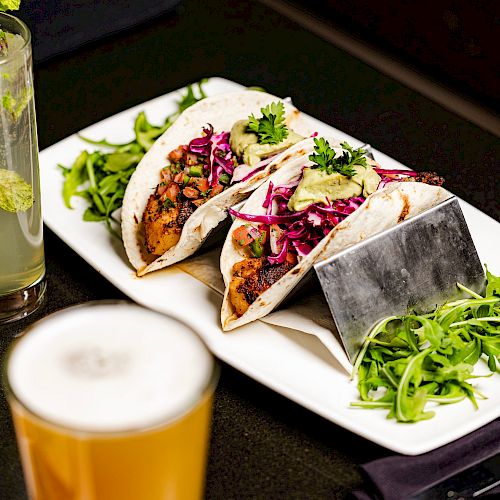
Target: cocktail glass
[(22, 264)]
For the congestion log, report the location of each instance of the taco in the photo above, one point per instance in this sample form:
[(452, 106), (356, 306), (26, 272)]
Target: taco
[(315, 206), (214, 155)]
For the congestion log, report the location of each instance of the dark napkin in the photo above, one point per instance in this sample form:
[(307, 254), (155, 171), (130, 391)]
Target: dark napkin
[(398, 476), (58, 26)]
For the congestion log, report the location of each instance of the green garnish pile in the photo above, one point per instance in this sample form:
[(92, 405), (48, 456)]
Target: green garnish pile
[(325, 159), (271, 128), (430, 358), (102, 177)]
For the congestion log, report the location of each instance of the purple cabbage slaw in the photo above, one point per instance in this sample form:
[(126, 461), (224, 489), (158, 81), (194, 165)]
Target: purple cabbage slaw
[(220, 158), (216, 149), (301, 231), (392, 175)]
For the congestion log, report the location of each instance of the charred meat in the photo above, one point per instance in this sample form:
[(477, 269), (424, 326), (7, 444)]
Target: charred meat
[(161, 226), (252, 277), (429, 178), (184, 186)]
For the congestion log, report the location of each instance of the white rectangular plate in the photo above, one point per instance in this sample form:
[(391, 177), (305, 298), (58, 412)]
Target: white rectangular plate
[(292, 363)]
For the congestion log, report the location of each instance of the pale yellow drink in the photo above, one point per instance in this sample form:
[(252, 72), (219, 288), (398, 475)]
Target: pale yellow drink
[(111, 402), (22, 264)]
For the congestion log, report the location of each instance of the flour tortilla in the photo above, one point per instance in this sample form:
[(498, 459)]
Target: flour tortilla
[(221, 112), (381, 210)]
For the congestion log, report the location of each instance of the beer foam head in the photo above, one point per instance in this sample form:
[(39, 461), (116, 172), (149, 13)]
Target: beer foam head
[(109, 368)]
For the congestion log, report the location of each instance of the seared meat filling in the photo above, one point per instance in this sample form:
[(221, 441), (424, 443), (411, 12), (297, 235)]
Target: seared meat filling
[(429, 178), (252, 277), (183, 188), (163, 226)]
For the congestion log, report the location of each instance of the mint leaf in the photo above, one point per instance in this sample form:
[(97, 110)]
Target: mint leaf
[(9, 5), (4, 46), (16, 195)]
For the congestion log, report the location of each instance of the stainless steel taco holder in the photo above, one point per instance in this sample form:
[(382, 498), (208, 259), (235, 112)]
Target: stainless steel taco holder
[(414, 266)]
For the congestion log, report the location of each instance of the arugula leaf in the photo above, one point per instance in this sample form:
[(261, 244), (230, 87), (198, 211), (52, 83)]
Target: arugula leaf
[(271, 128), (430, 358), (327, 161), (101, 177), (145, 133), (493, 287), (191, 98), (9, 5), (75, 176)]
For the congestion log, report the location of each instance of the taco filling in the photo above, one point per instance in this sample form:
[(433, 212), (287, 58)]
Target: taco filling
[(206, 167), (302, 212)]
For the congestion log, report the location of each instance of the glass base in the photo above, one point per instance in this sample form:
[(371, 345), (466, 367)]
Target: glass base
[(22, 303)]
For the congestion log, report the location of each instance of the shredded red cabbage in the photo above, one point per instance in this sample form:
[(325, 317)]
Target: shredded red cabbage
[(392, 175), (299, 232), (244, 172), (201, 145), (384, 171)]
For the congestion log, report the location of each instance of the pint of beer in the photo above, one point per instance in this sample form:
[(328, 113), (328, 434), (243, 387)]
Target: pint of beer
[(111, 401)]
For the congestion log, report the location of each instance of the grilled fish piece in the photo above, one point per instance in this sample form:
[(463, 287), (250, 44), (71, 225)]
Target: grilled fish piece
[(251, 278), (429, 178), (161, 226)]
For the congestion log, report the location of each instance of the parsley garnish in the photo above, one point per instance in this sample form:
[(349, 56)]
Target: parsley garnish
[(325, 159), (271, 128)]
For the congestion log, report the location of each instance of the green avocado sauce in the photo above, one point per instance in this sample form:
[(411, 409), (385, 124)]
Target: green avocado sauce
[(316, 186), (245, 144)]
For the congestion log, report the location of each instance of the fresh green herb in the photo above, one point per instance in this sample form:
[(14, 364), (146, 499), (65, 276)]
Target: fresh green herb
[(16, 195), (493, 287), (271, 128), (413, 359), (4, 45), (168, 203), (101, 177), (9, 5), (16, 106), (326, 160)]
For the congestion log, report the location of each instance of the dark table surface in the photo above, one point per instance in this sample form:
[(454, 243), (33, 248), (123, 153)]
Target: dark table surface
[(262, 444)]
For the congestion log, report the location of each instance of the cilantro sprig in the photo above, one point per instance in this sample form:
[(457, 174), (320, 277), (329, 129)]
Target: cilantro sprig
[(271, 128), (414, 359), (325, 159), (101, 177)]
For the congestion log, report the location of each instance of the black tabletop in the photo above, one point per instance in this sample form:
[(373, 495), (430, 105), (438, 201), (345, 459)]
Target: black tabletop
[(262, 444)]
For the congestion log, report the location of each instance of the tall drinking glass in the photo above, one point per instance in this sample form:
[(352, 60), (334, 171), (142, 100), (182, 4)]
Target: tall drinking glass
[(22, 266), (111, 401)]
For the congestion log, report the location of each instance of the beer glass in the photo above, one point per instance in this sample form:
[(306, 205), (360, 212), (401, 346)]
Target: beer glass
[(22, 265), (111, 401)]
